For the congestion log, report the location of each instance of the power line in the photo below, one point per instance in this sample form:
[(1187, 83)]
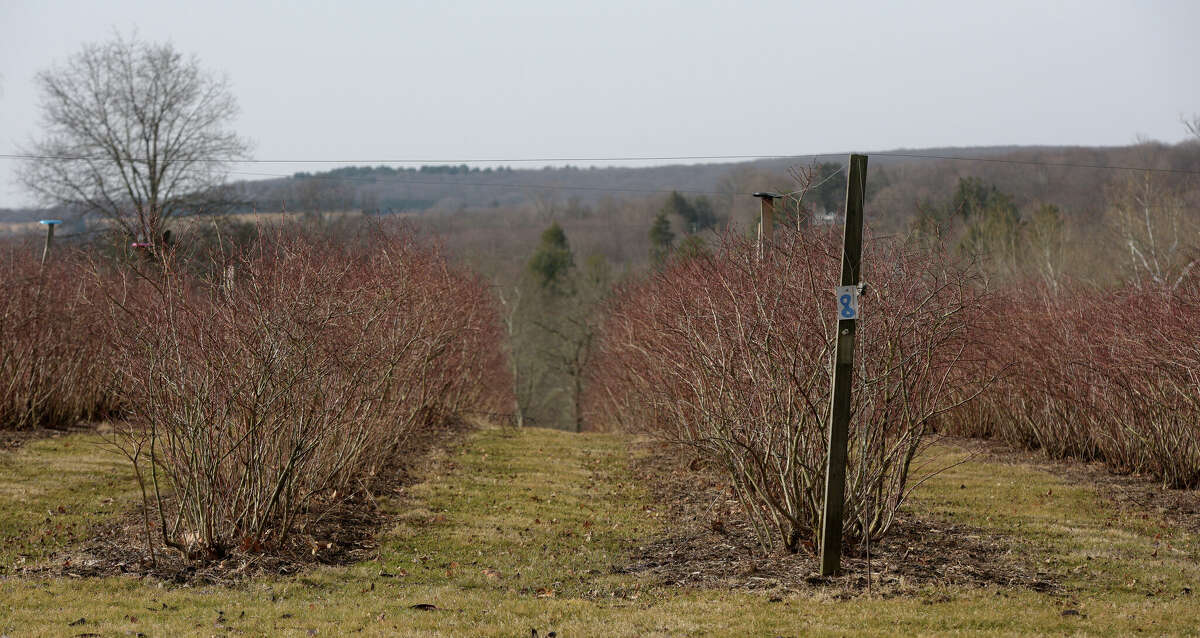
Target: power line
[(817, 185), (436, 162)]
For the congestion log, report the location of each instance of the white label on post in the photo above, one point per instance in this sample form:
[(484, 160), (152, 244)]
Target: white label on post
[(847, 302)]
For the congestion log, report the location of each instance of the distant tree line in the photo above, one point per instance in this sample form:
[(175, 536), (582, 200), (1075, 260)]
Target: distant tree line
[(370, 173)]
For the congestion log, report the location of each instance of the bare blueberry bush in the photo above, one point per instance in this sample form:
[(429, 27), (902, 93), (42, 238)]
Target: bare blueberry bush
[(297, 371), (1098, 375), (728, 355), (52, 367)]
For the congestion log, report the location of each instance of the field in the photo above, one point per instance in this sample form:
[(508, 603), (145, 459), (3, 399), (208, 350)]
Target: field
[(323, 424), (520, 529)]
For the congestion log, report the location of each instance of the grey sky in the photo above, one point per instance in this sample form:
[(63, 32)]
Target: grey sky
[(454, 80)]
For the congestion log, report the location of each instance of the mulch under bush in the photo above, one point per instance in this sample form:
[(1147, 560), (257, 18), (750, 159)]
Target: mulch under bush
[(711, 545), (337, 531)]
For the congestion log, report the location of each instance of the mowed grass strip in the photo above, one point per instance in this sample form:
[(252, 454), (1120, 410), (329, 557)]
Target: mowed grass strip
[(53, 490), (1129, 570), (520, 530)]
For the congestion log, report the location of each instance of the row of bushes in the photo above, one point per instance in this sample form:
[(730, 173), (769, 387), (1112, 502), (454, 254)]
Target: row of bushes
[(52, 369), (728, 355), (1098, 375), (282, 374)]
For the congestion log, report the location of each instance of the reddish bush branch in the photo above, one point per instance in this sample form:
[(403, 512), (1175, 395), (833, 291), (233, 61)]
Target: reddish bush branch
[(296, 373), (1111, 376), (728, 355)]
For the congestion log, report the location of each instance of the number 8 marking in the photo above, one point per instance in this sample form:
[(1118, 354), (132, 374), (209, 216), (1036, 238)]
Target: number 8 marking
[(847, 312)]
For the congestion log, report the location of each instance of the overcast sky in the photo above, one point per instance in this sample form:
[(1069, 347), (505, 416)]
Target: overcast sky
[(461, 80)]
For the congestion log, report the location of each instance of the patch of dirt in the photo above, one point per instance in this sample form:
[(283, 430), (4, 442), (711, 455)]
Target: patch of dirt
[(712, 545), (1137, 495), (337, 531)]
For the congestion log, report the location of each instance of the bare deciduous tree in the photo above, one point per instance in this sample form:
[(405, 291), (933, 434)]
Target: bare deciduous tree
[(1153, 224), (134, 131), (1046, 236)]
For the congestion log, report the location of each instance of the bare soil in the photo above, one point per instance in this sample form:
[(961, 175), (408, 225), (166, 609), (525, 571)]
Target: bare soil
[(334, 531), (712, 545)]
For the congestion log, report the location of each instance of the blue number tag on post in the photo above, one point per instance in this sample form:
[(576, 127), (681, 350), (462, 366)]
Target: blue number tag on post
[(847, 302)]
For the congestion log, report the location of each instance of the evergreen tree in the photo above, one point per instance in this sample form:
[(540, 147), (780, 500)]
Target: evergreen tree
[(703, 215), (552, 261), (677, 204), (973, 197), (697, 215), (661, 238)]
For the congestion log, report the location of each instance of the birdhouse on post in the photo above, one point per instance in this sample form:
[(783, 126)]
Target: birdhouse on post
[(766, 219), (50, 224)]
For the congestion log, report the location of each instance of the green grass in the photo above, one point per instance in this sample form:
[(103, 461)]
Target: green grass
[(52, 490), (520, 531)]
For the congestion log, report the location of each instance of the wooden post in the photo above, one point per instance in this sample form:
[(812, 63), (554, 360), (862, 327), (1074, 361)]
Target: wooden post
[(50, 224), (843, 370), (766, 220)]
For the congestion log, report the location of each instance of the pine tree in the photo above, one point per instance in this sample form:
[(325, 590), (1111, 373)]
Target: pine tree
[(552, 261), (661, 239)]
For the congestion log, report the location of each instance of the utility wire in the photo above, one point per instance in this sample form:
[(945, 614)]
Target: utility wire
[(437, 162), (819, 184)]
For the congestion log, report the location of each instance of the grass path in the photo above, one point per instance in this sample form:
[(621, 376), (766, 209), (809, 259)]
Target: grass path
[(52, 490), (520, 531)]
